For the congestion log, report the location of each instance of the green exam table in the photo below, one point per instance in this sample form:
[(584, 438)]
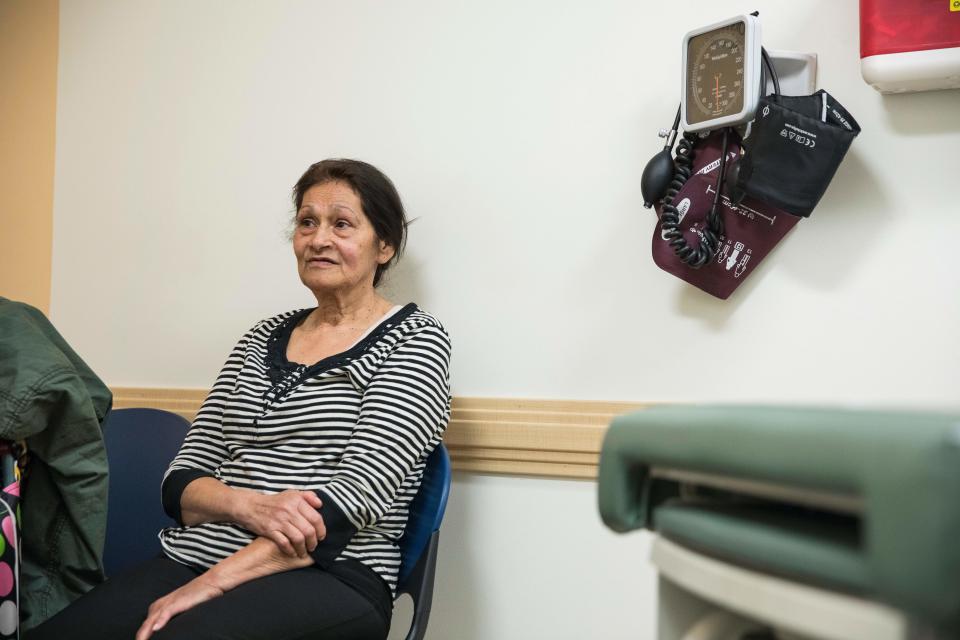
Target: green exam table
[(792, 523)]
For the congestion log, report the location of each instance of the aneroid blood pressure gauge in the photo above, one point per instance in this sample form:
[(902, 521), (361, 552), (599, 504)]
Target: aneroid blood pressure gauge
[(721, 74)]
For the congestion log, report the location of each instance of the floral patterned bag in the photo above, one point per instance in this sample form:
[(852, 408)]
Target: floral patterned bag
[(10, 539)]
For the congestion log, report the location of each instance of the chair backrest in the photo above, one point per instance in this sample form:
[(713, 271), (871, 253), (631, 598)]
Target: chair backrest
[(140, 445), (421, 540), (426, 511)]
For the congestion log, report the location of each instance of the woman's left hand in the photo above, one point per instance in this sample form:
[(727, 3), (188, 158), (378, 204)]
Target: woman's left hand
[(186, 597)]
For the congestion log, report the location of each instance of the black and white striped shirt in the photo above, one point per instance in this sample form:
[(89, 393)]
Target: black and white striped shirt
[(356, 428)]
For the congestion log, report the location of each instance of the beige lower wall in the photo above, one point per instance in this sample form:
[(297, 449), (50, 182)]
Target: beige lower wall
[(29, 32)]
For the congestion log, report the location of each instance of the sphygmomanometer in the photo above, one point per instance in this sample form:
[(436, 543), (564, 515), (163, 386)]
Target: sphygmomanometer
[(784, 150)]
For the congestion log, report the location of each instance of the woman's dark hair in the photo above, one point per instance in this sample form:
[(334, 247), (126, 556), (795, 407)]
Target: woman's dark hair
[(378, 197)]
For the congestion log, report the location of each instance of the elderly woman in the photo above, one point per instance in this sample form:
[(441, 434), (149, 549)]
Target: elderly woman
[(294, 482)]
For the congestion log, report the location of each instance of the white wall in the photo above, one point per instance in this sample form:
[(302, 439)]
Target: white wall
[(529, 559), (516, 130)]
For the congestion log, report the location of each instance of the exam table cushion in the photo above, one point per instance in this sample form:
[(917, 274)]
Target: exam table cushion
[(903, 468)]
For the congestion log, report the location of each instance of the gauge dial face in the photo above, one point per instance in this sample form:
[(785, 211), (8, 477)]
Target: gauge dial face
[(715, 70)]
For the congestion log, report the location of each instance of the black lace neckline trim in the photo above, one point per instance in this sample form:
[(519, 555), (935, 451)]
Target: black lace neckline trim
[(280, 367)]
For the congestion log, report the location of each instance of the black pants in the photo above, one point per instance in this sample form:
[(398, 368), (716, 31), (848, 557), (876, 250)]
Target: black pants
[(303, 604)]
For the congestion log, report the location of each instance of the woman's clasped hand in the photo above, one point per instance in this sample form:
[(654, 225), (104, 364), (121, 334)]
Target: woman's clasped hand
[(291, 519)]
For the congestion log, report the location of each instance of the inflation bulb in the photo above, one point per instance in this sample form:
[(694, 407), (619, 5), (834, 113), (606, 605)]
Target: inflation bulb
[(656, 177), (658, 173)]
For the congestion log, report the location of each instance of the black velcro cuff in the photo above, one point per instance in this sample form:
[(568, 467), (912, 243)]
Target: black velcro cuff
[(339, 532)]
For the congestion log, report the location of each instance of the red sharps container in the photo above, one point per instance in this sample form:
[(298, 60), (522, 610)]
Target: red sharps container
[(910, 45)]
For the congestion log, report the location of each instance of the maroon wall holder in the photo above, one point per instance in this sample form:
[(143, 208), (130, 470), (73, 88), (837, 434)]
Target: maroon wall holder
[(751, 229)]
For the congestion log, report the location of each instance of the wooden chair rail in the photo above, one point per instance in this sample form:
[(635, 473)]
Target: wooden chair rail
[(512, 436)]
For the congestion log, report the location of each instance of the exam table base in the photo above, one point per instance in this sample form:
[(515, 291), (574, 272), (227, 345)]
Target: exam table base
[(702, 598)]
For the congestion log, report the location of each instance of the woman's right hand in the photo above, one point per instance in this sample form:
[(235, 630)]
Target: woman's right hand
[(289, 518)]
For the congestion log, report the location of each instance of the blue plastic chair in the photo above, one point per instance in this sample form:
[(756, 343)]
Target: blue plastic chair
[(418, 546), (142, 442), (140, 445)]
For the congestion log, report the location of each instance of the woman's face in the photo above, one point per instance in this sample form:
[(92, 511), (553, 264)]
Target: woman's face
[(336, 247)]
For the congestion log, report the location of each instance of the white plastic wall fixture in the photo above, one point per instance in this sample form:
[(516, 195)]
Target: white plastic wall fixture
[(913, 70), (796, 71)]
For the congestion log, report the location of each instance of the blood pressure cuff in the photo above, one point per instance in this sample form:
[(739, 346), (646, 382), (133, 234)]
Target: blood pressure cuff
[(751, 229), (794, 148)]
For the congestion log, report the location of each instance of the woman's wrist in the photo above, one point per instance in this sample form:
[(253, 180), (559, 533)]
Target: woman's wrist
[(220, 577), (236, 505), (260, 558)]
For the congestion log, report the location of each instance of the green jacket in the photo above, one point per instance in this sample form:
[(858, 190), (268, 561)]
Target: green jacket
[(51, 399)]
